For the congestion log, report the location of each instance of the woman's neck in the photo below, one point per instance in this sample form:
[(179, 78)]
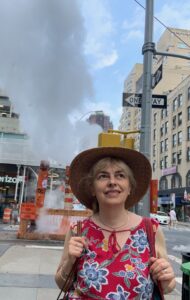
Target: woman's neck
[(113, 218)]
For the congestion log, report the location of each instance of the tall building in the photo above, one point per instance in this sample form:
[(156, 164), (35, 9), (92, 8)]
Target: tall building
[(170, 155), (101, 119), (18, 163)]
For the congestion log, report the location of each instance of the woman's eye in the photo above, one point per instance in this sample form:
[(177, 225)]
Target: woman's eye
[(121, 175)]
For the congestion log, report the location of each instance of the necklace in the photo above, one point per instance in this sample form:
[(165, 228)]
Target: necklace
[(115, 228)]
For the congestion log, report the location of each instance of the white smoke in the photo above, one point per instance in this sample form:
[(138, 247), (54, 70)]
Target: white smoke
[(43, 71)]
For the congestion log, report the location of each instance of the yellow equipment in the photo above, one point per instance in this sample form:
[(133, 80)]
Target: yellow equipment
[(113, 138)]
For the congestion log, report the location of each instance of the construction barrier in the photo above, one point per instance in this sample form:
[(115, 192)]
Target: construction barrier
[(7, 215)]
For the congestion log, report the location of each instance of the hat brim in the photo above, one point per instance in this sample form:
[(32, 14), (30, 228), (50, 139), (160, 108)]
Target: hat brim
[(136, 161)]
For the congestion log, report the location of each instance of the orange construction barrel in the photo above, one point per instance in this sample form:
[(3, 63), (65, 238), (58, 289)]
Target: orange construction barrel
[(7, 215)]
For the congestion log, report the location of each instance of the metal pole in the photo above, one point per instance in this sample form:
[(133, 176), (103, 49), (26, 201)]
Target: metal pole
[(146, 110), (16, 187)]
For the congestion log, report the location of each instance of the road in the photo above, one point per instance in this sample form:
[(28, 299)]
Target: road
[(30, 265)]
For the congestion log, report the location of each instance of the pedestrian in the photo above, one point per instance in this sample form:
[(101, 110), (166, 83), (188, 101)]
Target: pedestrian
[(14, 214), (113, 253), (173, 218)]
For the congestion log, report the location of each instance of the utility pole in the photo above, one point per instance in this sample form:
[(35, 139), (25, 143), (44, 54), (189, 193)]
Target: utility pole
[(143, 207)]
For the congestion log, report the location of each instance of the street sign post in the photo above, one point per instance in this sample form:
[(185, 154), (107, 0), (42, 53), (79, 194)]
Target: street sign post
[(135, 100), (157, 76)]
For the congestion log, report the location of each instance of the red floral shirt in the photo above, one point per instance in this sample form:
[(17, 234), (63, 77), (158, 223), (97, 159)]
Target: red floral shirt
[(104, 272)]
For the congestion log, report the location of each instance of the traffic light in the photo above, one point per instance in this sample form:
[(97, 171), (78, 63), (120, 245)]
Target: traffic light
[(113, 138)]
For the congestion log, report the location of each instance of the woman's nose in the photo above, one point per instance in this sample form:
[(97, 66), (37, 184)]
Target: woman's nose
[(112, 180)]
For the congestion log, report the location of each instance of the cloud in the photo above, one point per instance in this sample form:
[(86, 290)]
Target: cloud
[(99, 44)]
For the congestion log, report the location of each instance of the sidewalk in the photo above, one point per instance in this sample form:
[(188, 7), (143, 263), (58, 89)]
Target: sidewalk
[(27, 271)]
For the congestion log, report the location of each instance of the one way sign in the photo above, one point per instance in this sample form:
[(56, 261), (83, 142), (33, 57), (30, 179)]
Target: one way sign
[(135, 100)]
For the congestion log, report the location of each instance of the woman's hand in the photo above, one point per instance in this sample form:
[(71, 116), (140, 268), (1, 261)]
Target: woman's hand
[(76, 246), (161, 270)]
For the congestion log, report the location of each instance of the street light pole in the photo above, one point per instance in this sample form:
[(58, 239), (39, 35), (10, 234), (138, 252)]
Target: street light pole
[(146, 110)]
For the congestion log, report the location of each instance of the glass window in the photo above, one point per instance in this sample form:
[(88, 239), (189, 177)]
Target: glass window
[(180, 100), (174, 122), (188, 113), (174, 158), (162, 131), (179, 157), (165, 161), (188, 93), (154, 134), (163, 185), (161, 146), (162, 113), (166, 145), (175, 104), (188, 153), (188, 133), (161, 164), (154, 166), (154, 150), (174, 140), (179, 118), (166, 127), (176, 181), (179, 137), (155, 114)]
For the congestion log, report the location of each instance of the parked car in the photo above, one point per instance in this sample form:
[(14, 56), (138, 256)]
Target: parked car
[(161, 217)]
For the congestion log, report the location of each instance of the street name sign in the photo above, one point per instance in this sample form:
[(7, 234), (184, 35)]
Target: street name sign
[(135, 100), (157, 76)]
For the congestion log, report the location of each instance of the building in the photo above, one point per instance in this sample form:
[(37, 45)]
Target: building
[(170, 145), (18, 164), (101, 119)]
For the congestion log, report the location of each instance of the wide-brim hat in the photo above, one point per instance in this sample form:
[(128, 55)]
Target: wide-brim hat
[(82, 163)]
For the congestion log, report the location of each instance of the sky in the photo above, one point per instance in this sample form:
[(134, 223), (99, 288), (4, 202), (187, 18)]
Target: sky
[(62, 59)]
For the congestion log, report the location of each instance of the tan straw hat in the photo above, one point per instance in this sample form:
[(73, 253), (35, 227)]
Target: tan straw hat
[(83, 162)]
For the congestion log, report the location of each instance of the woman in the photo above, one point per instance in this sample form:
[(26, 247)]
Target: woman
[(113, 253)]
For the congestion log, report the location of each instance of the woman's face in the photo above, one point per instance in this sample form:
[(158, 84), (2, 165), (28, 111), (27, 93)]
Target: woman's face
[(111, 185)]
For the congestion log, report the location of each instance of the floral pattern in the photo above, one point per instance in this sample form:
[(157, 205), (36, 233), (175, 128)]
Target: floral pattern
[(125, 275), (139, 241), (94, 276), (119, 295)]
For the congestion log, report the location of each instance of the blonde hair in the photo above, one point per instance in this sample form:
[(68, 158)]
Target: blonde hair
[(99, 166)]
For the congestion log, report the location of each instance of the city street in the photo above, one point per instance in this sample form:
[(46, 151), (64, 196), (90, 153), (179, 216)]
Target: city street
[(27, 268)]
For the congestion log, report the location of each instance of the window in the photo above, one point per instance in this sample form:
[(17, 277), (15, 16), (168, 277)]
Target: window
[(179, 157), (188, 133), (179, 137), (188, 93), (188, 179), (161, 164), (154, 134), (174, 122), (163, 185), (162, 113), (180, 100), (166, 127), (188, 113), (166, 145), (188, 153), (154, 166), (174, 140), (161, 146), (176, 181), (174, 158), (165, 161), (179, 118), (154, 150), (162, 131), (175, 104)]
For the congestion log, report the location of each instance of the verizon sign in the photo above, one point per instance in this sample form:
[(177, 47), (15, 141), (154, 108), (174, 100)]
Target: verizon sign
[(9, 179)]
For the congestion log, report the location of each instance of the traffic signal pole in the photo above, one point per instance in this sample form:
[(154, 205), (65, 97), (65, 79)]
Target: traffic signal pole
[(143, 208)]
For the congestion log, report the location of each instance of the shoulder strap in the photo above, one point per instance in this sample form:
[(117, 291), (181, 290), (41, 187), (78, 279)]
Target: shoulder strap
[(150, 235)]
